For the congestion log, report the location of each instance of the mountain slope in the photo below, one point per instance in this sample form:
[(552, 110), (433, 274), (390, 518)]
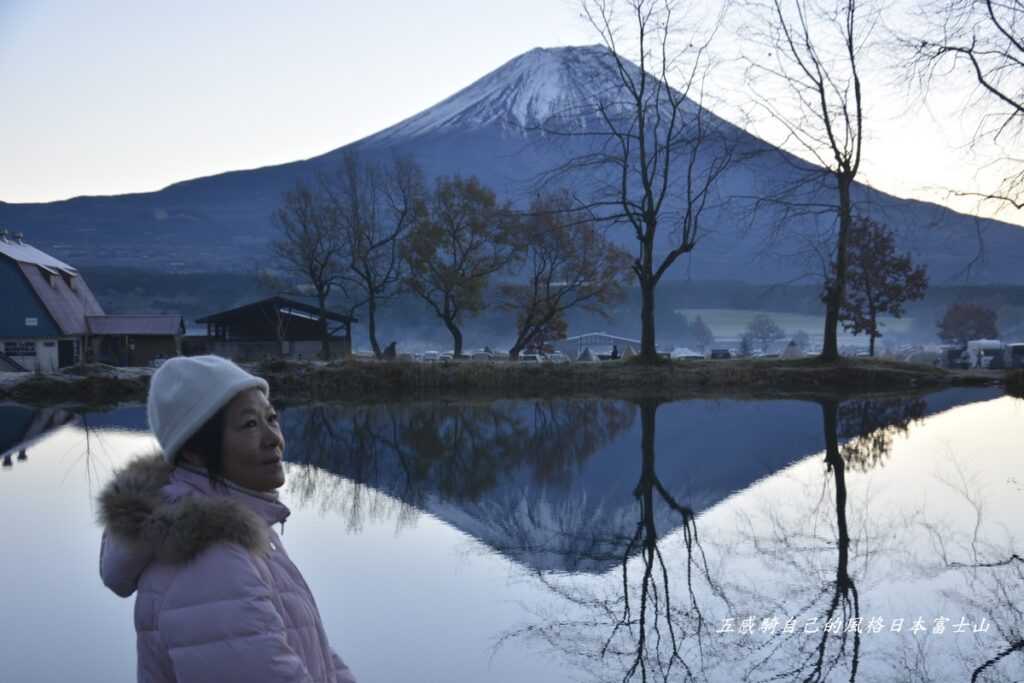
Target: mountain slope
[(494, 129)]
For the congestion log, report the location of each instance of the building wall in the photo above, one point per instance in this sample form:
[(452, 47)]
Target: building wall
[(133, 351), (148, 348), (258, 350), (35, 355), (22, 315)]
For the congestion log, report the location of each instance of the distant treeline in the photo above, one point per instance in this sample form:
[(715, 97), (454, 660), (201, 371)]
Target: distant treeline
[(194, 295)]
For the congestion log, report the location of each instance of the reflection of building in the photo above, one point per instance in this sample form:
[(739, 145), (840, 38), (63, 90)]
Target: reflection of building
[(21, 427), (51, 319), (273, 327)]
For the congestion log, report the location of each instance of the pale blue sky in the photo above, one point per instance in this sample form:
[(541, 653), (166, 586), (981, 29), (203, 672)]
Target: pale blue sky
[(114, 97)]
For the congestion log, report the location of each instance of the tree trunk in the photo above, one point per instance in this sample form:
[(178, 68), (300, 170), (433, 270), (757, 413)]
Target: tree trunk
[(648, 349), (871, 345), (325, 339), (371, 324), (645, 489), (456, 337), (834, 294), (834, 459)]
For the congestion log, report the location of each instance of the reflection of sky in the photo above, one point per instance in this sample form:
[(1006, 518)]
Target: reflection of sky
[(434, 594)]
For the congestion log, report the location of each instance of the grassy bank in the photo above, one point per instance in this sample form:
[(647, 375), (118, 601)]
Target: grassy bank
[(372, 381)]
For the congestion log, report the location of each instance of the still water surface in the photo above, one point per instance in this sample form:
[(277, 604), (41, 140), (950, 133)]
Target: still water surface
[(582, 540)]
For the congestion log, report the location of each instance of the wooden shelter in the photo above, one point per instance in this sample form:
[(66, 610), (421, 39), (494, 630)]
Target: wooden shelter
[(276, 326)]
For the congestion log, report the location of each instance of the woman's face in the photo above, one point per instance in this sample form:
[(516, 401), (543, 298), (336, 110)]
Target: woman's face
[(253, 445)]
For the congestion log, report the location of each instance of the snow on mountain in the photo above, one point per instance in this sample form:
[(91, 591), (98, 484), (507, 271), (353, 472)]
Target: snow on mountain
[(522, 94)]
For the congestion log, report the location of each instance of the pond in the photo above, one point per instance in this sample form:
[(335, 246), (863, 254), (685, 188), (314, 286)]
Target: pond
[(582, 540)]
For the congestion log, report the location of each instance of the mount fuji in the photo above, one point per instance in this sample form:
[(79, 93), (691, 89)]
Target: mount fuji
[(497, 129)]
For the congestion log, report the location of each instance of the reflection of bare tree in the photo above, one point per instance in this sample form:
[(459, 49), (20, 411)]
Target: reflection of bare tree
[(845, 599), (827, 612), (791, 544), (989, 578), (655, 616), (640, 623)]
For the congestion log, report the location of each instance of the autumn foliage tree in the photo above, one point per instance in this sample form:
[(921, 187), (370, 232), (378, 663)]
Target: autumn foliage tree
[(553, 330), (878, 279), (566, 263), (963, 322), (461, 237)]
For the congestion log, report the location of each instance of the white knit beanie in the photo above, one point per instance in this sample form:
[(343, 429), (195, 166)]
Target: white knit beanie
[(185, 392)]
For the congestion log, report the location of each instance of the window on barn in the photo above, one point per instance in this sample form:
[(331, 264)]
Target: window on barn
[(51, 276), (20, 348)]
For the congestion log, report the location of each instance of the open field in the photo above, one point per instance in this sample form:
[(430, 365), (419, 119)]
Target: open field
[(732, 323)]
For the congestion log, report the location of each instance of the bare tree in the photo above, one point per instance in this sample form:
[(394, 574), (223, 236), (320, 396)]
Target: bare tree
[(809, 84), (764, 330), (568, 263), (984, 41), (655, 154), (310, 250), (461, 237), (374, 206)]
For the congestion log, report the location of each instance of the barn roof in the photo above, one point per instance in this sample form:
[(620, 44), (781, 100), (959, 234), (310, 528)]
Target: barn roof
[(284, 306), (65, 296), (23, 252), (61, 290)]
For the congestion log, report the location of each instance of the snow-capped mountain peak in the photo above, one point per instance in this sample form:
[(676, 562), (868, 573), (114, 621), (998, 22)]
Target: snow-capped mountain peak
[(524, 93)]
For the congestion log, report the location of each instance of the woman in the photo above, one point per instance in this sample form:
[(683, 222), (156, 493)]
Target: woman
[(189, 531)]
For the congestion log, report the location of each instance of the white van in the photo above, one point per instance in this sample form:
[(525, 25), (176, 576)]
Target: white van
[(981, 353)]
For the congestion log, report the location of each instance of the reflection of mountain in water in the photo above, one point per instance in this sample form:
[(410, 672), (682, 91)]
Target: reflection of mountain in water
[(551, 483)]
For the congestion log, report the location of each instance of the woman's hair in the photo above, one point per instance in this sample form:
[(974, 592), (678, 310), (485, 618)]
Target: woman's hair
[(208, 444)]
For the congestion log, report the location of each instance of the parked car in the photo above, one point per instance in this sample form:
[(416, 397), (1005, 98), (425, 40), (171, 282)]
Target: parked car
[(985, 353), (430, 356), (719, 354), (683, 353), (531, 357), (558, 357)]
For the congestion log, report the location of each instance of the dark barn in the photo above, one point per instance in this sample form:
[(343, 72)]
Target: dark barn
[(272, 327)]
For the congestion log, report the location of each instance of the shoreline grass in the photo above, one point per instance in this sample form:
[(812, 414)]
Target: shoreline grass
[(372, 381)]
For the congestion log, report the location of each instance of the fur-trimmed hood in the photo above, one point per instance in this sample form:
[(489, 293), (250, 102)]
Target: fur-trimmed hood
[(154, 511)]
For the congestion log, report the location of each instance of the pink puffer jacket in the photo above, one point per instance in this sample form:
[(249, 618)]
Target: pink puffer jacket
[(217, 599)]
